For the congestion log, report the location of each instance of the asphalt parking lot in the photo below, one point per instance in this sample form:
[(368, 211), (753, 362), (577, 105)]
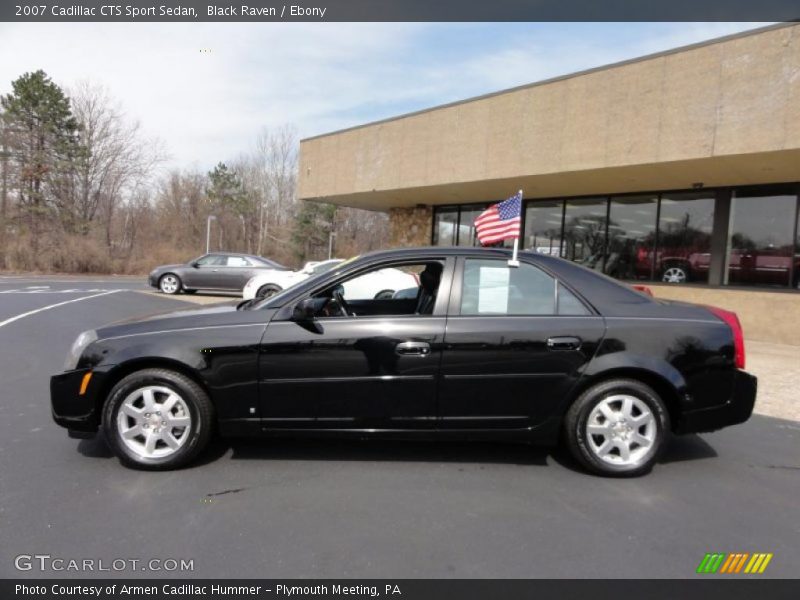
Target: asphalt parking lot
[(363, 509)]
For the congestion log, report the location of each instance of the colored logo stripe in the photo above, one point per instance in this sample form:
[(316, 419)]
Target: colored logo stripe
[(722, 562)]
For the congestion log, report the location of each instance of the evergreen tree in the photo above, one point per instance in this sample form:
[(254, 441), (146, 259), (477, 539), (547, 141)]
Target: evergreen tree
[(42, 141)]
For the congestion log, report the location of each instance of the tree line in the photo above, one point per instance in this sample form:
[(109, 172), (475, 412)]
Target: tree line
[(83, 190)]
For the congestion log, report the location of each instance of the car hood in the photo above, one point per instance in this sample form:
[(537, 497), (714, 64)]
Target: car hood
[(190, 318), (168, 267)]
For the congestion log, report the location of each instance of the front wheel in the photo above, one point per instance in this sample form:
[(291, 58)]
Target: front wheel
[(617, 428), (170, 283), (157, 419)]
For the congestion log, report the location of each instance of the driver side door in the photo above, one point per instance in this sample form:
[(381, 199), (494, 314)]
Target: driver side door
[(375, 367)]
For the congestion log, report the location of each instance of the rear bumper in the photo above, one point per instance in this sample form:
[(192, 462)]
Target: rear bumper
[(736, 410), (80, 414)]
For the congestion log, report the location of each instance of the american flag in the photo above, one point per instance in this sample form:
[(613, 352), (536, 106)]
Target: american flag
[(500, 222)]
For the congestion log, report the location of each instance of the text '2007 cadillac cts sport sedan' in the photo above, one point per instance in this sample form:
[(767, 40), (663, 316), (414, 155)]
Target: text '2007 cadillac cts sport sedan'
[(544, 351)]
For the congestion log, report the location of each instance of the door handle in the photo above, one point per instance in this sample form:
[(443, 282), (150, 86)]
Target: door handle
[(563, 343), (421, 349)]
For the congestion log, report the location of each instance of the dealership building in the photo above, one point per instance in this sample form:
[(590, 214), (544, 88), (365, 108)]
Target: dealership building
[(679, 169)]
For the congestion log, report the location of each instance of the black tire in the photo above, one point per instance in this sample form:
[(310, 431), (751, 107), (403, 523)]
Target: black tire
[(585, 449), (384, 295), (195, 399), (170, 283), (268, 290)]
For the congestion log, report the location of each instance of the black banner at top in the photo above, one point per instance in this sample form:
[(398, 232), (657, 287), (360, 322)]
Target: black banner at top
[(397, 10)]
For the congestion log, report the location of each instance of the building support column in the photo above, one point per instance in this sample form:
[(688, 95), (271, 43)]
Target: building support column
[(410, 226), (718, 268)]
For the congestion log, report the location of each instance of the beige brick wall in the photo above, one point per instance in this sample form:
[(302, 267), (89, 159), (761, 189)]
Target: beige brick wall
[(722, 113), (410, 227)]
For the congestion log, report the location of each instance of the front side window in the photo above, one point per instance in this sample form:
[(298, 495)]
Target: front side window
[(210, 260), (401, 289)]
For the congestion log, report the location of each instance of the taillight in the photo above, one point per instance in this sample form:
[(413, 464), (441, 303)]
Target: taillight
[(738, 334)]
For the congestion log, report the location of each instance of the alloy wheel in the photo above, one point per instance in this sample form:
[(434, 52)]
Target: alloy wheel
[(674, 275), (154, 422), (169, 284), (621, 430)]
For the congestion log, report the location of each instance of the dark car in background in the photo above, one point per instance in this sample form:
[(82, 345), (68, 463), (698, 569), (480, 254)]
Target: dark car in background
[(219, 271), (545, 351)]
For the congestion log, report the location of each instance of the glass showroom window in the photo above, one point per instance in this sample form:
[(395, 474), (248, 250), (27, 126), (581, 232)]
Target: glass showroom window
[(543, 221), (466, 224), (684, 237), (631, 237), (760, 237), (585, 231), (445, 222)]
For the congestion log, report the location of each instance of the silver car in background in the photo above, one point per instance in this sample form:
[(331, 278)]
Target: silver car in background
[(218, 271)]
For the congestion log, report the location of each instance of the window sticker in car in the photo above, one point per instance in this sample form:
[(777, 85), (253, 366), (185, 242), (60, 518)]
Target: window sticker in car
[(493, 289)]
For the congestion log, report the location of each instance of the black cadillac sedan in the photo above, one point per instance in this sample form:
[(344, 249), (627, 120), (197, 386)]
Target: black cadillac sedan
[(540, 352)]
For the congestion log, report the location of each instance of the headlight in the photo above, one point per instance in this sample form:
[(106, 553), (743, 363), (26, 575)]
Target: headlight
[(78, 346)]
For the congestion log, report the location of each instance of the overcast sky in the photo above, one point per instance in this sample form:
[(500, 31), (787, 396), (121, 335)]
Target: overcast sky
[(209, 106)]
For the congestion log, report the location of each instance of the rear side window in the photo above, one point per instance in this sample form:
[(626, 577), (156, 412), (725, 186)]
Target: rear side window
[(237, 261), (569, 304), (491, 287)]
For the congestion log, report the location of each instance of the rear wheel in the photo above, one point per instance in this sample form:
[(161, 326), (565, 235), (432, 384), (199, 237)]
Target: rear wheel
[(170, 283), (268, 290), (157, 419), (617, 428)]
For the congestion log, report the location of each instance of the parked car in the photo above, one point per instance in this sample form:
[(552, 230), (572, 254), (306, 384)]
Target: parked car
[(216, 271), (380, 284), (545, 351), (268, 283)]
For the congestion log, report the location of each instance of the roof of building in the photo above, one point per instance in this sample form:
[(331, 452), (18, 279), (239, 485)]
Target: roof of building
[(610, 66)]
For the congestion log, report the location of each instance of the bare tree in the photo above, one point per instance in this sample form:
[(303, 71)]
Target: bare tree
[(116, 158)]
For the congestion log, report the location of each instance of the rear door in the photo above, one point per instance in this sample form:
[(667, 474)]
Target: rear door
[(516, 343), (236, 272)]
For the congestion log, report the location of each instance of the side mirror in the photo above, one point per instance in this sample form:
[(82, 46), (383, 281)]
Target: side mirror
[(195, 265), (305, 310)]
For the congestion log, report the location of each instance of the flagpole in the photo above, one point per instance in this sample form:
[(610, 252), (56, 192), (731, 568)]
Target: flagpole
[(514, 262)]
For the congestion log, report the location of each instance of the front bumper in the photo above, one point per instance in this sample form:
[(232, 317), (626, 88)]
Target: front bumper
[(79, 413), (152, 280), (736, 410)]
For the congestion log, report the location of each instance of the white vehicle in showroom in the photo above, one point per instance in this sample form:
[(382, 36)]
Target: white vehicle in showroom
[(381, 284)]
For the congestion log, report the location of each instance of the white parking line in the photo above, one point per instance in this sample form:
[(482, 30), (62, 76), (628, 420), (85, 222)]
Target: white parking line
[(38, 310), (67, 291)]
